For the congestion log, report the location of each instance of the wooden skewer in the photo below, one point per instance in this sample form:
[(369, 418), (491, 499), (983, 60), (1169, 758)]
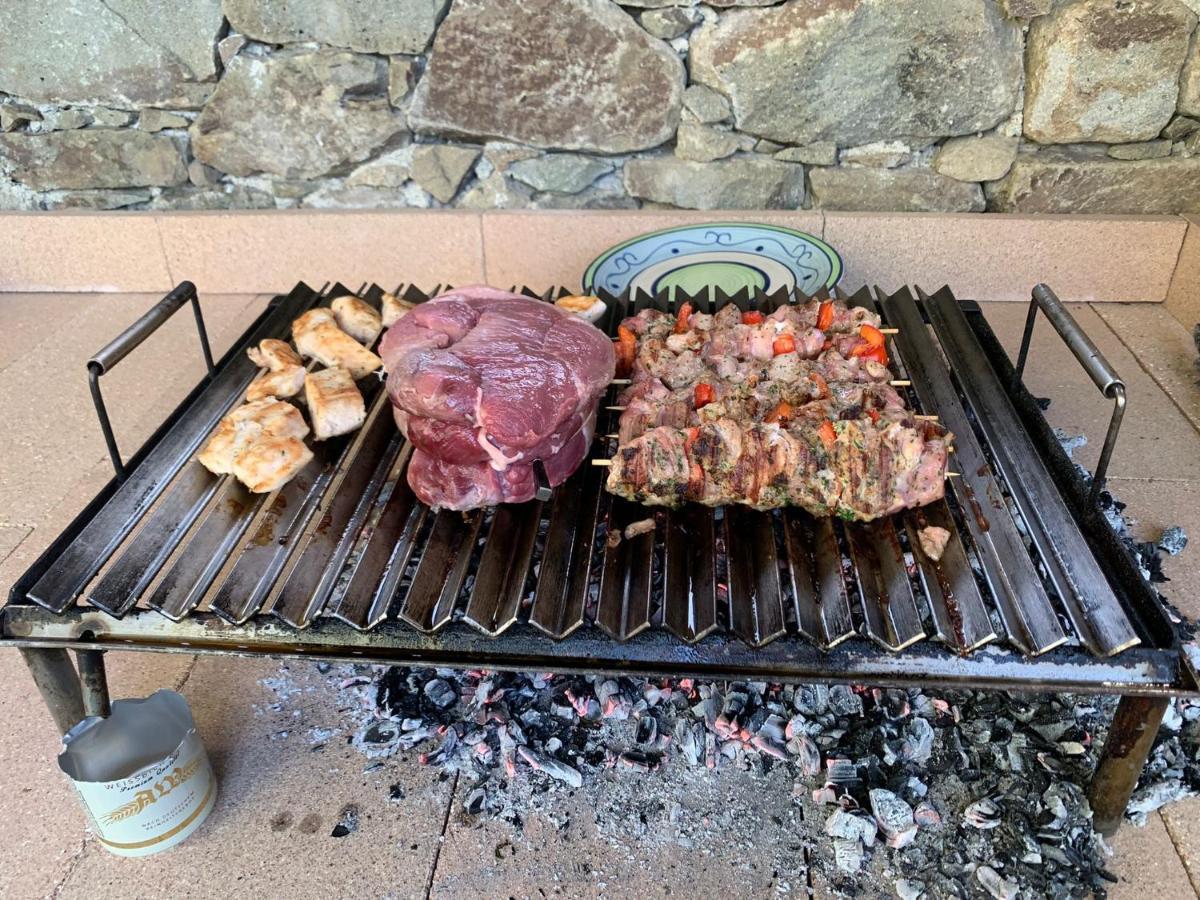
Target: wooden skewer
[(889, 330), (620, 381), (926, 418), (900, 382), (602, 462), (617, 408)]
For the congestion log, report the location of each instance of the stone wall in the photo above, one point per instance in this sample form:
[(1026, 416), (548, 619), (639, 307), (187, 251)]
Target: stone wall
[(958, 105)]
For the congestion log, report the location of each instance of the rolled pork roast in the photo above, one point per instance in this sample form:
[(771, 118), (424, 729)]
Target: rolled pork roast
[(484, 382)]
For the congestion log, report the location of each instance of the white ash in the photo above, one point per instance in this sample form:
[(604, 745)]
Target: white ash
[(962, 780)]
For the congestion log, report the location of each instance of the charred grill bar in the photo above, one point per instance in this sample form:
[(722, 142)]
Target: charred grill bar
[(1033, 591)]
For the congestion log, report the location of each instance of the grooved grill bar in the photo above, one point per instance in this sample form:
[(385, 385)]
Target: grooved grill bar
[(348, 540)]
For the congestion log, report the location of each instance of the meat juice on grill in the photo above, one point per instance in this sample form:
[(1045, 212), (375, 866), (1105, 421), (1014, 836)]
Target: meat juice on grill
[(484, 383)]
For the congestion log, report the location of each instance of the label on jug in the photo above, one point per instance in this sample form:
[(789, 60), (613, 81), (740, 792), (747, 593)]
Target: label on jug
[(156, 807)]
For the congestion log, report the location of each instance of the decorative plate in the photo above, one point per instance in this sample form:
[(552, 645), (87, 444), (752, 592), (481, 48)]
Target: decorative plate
[(728, 255)]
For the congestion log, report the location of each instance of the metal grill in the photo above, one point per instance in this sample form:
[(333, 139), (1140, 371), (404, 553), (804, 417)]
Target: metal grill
[(345, 560)]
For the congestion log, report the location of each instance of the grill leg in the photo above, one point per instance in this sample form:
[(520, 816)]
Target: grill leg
[(58, 684), (94, 681), (1134, 727)]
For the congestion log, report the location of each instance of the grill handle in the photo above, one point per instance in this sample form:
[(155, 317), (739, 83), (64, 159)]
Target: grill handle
[(1101, 371), (127, 341)]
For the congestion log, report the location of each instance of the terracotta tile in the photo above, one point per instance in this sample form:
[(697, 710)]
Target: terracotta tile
[(1001, 257), (81, 251), (543, 249), (1145, 860), (1163, 347), (1157, 440), (1183, 824), (1183, 297), (1156, 506), (270, 832), (254, 251)]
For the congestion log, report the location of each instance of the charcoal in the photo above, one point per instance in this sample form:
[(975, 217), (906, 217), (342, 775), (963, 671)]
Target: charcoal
[(926, 816), (995, 885), (551, 766), (908, 889), (918, 741), (894, 818), (982, 814), (647, 730), (808, 758), (347, 822), (1153, 797), (1173, 540), (958, 779), (848, 854), (844, 702), (811, 699), (473, 803), (842, 824)]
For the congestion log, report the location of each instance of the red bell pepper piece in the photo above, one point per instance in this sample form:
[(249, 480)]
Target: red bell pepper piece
[(825, 315), (681, 318), (827, 434), (781, 412), (704, 394), (785, 343), (754, 317), (626, 349), (871, 335)]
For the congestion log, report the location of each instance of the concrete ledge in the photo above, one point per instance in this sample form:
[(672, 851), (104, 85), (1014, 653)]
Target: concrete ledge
[(985, 257)]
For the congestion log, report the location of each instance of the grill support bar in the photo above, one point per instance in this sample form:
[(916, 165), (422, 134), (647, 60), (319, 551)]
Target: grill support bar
[(94, 681), (58, 683), (1134, 727)]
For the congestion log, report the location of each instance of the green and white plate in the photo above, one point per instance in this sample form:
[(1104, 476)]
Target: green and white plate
[(728, 255)]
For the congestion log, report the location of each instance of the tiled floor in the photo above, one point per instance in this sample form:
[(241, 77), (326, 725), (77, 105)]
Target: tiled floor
[(270, 832)]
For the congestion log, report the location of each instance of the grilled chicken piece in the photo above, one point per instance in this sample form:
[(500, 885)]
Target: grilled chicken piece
[(270, 463), (317, 336), (245, 426), (274, 355), (394, 309), (286, 382), (334, 403), (933, 541), (357, 319)]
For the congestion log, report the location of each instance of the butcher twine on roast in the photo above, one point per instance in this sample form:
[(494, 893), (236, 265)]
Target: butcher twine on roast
[(483, 383)]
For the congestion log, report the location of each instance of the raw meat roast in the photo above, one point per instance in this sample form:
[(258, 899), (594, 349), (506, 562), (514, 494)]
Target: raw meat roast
[(483, 383)]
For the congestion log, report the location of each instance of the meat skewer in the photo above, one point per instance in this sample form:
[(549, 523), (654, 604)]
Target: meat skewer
[(854, 469), (794, 408), (811, 399)]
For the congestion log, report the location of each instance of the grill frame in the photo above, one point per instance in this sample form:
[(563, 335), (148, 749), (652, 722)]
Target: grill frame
[(1160, 667)]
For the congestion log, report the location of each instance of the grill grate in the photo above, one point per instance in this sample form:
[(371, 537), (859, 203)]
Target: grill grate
[(347, 540)]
